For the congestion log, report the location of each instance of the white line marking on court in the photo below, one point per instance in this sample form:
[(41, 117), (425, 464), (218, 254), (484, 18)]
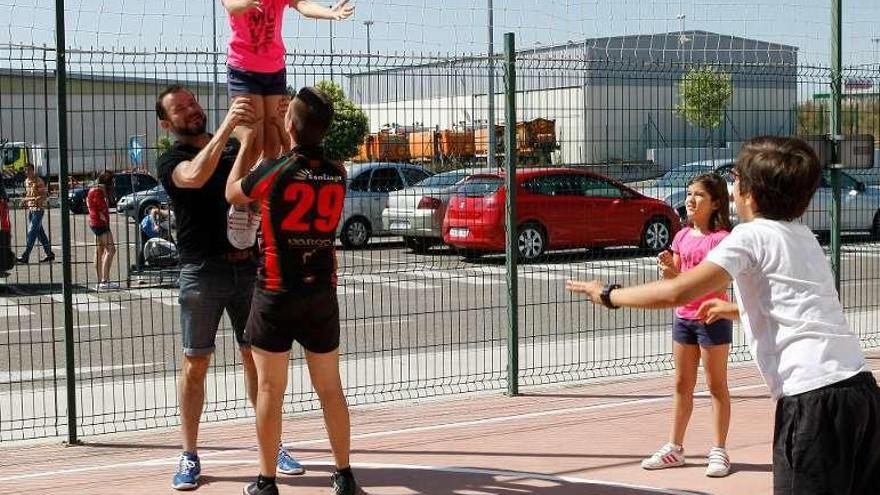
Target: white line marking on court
[(387, 433), (86, 303), (166, 297), (35, 375), (10, 309), (52, 329), (362, 280)]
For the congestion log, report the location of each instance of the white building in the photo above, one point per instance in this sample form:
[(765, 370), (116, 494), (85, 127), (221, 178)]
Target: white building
[(612, 98)]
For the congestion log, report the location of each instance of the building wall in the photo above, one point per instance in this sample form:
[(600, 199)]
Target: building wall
[(102, 115)]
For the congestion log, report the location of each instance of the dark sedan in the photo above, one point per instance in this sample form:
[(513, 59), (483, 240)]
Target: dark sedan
[(124, 183)]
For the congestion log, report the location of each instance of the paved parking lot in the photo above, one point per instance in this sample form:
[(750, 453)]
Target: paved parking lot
[(430, 321)]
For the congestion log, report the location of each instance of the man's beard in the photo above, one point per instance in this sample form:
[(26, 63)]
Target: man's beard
[(194, 129)]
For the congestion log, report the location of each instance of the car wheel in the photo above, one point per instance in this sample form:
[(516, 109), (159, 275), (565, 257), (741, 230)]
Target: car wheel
[(531, 242), (355, 233), (657, 235), (418, 244)]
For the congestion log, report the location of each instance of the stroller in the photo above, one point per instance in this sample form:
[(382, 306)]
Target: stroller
[(160, 253)]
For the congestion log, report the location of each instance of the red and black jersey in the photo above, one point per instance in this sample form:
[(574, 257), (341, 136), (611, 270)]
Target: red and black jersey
[(301, 196)]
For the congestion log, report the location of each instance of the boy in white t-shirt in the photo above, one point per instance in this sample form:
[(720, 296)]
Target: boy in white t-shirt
[(827, 432)]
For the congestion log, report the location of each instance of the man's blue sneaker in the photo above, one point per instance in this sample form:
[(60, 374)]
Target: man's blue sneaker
[(188, 471), (287, 464)]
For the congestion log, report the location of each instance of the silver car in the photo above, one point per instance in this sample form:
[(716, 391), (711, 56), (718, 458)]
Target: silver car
[(366, 197), (860, 204), (135, 205), (417, 212), (671, 187)]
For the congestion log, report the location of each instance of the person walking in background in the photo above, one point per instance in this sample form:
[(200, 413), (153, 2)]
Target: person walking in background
[(35, 200), (99, 221)]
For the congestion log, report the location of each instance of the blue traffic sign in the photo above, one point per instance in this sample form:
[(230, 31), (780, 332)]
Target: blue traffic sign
[(135, 150)]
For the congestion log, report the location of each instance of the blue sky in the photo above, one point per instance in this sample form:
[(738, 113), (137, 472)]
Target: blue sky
[(452, 26)]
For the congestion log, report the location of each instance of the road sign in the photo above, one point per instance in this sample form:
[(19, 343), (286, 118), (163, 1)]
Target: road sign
[(135, 150)]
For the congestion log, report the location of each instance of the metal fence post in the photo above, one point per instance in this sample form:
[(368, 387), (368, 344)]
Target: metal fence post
[(510, 225), (67, 279), (836, 86)]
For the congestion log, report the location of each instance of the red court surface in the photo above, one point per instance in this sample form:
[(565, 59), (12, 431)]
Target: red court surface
[(577, 439)]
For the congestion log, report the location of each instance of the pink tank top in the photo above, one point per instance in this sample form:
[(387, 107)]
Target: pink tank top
[(692, 248), (256, 43)]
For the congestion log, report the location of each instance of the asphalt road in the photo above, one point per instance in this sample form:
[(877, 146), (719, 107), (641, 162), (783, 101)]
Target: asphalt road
[(434, 308)]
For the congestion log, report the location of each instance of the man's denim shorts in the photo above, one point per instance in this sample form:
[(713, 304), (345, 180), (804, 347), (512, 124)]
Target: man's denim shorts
[(206, 290)]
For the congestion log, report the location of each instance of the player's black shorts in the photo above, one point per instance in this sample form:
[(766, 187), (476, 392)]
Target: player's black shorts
[(277, 319)]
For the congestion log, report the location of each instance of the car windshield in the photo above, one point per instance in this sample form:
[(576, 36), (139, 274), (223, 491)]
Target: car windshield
[(479, 186), (443, 180), (679, 177)]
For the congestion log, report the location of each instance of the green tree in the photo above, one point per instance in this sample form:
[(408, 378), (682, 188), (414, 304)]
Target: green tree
[(703, 96), (349, 126), (163, 144)]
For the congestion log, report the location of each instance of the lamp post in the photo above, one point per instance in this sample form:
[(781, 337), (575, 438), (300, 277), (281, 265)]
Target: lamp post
[(490, 153), (215, 97), (874, 42), (368, 24)]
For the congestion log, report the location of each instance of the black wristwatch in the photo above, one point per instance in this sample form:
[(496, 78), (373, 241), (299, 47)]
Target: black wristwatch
[(606, 295)]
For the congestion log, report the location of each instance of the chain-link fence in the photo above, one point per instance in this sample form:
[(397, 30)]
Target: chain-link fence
[(605, 149)]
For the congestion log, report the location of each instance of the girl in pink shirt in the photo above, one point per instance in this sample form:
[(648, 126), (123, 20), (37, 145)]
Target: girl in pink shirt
[(708, 211), (256, 68)]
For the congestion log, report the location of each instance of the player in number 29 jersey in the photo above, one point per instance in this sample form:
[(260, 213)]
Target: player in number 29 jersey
[(301, 195)]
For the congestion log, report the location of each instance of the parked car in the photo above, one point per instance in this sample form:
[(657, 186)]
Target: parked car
[(124, 183), (368, 187), (671, 187), (417, 212), (859, 212), (556, 208), (860, 204), (135, 205)]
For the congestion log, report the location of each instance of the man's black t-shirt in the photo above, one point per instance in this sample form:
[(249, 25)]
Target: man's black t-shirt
[(200, 213), (301, 197)]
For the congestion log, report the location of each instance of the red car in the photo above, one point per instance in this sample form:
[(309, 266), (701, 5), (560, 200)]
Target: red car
[(556, 208)]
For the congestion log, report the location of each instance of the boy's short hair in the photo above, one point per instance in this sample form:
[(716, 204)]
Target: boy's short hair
[(780, 173), (310, 113)]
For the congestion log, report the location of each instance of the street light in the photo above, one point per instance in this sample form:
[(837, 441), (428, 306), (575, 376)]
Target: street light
[(682, 39), (490, 154), (874, 42), (368, 24), (215, 97)]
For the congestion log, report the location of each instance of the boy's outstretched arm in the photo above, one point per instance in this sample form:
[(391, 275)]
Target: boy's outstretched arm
[(338, 12), (705, 278), (236, 7)]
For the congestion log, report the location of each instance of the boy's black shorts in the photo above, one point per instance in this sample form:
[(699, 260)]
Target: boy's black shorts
[(277, 319), (827, 441)]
